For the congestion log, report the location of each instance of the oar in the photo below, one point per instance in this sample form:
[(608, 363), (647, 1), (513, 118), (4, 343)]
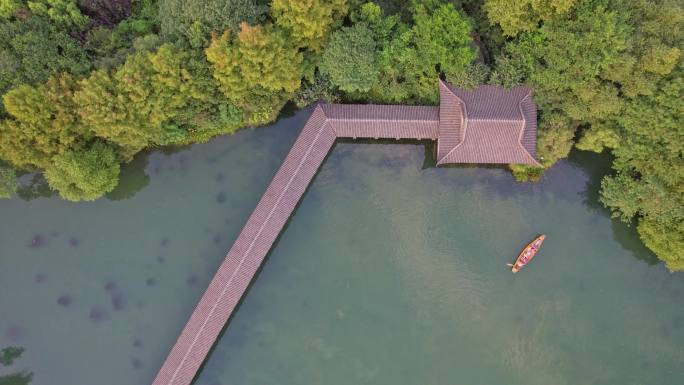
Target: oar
[(509, 264)]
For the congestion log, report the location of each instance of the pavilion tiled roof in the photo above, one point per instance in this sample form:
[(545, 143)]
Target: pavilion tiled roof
[(487, 125)]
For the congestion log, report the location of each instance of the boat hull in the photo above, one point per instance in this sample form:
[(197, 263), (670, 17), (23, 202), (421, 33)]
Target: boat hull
[(527, 253)]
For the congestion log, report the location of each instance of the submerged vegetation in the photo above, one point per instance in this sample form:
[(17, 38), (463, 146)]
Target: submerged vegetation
[(87, 84)]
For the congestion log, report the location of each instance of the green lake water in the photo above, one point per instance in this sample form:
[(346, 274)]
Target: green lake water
[(389, 272)]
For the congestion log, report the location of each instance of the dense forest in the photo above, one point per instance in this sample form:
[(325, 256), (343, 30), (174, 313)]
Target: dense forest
[(87, 84)]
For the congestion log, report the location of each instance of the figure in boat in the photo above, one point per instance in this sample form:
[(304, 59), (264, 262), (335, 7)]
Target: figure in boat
[(527, 253)]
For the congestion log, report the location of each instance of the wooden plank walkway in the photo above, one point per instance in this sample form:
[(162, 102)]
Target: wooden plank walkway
[(275, 207)]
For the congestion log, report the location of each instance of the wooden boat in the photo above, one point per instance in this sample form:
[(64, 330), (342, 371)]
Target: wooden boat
[(527, 253)]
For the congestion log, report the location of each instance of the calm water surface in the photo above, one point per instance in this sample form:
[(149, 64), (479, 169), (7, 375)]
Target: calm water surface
[(388, 273)]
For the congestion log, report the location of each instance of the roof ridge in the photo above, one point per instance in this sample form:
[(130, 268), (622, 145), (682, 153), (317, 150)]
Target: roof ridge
[(522, 129), (465, 129), (464, 117), (498, 120), (381, 119)]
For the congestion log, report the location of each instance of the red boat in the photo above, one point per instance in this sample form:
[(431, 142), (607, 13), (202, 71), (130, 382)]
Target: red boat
[(527, 253)]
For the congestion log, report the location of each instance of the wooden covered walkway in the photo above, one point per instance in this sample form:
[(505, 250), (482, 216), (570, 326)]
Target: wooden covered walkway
[(326, 123), (486, 125)]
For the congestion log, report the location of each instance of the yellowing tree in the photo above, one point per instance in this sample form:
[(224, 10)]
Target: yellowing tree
[(257, 71), (143, 101), (42, 123), (524, 15), (308, 21)]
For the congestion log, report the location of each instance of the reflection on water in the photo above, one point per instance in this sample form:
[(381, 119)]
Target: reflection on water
[(9, 354), (391, 271), (33, 186), (132, 178), (595, 167), (7, 357)]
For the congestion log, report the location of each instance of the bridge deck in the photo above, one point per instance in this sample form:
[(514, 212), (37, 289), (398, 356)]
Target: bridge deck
[(275, 207)]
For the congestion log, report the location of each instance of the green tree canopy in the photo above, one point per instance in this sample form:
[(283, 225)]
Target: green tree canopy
[(64, 13), (350, 58), (84, 175), (411, 59), (32, 50), (649, 183), (9, 7), (183, 17), (588, 66)]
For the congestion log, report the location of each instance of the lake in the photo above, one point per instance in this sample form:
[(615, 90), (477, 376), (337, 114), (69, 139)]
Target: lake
[(390, 271)]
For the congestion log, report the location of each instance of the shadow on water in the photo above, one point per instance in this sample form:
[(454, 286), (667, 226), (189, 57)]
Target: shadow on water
[(429, 160), (596, 167), (32, 186), (628, 238), (289, 110), (132, 178), (7, 357)]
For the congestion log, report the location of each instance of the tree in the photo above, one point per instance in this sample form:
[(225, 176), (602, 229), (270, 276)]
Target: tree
[(384, 27), (442, 39), (574, 59), (556, 139), (9, 7), (586, 67), (84, 175), (149, 100), (564, 61), (8, 181), (524, 15), (42, 123), (64, 13), (411, 59), (32, 50), (257, 71), (650, 170), (177, 16), (120, 29), (308, 21), (318, 88), (349, 58)]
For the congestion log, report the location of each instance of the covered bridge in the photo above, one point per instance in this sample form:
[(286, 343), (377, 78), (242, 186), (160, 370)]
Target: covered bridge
[(486, 125)]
